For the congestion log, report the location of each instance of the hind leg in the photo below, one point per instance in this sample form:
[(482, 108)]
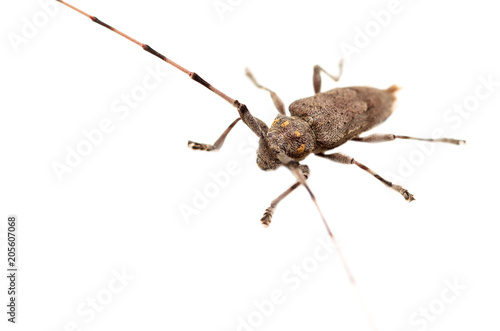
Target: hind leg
[(383, 137), (344, 159)]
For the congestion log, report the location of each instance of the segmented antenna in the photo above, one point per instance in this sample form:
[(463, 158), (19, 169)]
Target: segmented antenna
[(193, 75), (294, 167), (245, 115)]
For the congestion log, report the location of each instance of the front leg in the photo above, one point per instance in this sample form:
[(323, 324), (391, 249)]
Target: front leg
[(268, 214), (217, 145)]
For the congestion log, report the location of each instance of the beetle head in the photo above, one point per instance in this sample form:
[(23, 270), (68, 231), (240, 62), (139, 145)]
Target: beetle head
[(269, 147)]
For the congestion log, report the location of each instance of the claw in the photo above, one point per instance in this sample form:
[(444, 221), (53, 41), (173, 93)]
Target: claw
[(408, 196), (266, 219), (200, 147), (452, 141), (268, 215)]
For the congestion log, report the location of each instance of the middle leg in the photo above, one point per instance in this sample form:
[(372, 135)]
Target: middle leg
[(342, 158)]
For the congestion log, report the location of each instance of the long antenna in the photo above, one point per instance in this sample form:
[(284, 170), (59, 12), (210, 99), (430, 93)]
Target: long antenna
[(194, 76), (293, 166), (245, 115)]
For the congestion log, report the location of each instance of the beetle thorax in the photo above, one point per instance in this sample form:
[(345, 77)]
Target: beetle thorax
[(288, 134)]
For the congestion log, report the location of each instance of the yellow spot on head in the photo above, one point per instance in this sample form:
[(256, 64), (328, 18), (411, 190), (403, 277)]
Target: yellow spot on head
[(301, 149), (274, 122), (297, 133), (285, 123)]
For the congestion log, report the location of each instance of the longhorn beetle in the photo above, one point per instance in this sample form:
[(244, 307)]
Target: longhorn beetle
[(317, 124)]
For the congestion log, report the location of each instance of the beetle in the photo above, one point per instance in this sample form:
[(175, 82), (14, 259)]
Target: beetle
[(321, 123), (316, 124)]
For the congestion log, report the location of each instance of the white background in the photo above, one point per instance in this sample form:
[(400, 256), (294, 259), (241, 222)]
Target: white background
[(119, 210)]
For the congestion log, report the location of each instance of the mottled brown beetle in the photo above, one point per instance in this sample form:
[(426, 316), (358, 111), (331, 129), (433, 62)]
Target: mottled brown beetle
[(321, 123), (317, 124)]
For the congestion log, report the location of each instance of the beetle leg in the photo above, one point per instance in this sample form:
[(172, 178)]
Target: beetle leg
[(383, 137), (342, 158), (217, 145), (317, 76), (268, 214), (280, 106)]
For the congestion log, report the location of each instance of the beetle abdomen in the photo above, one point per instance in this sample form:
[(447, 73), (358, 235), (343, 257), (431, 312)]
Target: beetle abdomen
[(341, 114)]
